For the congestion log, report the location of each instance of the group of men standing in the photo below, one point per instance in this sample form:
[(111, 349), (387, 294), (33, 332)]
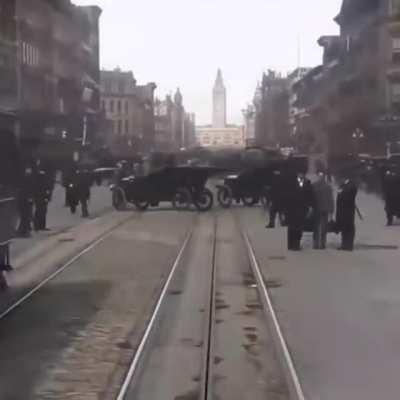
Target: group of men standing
[(34, 195), (36, 191), (305, 206)]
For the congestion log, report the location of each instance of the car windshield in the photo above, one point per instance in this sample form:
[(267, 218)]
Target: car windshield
[(199, 199)]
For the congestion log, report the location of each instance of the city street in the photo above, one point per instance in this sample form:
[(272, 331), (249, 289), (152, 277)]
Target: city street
[(338, 311), (59, 218)]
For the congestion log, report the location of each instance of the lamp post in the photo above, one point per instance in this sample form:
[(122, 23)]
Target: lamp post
[(358, 135)]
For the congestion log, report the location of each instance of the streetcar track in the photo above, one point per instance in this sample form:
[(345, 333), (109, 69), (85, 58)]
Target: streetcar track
[(59, 270), (209, 360), (153, 318), (291, 375)]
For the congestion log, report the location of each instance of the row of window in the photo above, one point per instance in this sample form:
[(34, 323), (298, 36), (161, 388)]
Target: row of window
[(115, 106), (30, 55), (121, 127)]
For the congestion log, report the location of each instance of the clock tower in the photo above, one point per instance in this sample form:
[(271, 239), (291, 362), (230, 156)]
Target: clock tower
[(219, 102)]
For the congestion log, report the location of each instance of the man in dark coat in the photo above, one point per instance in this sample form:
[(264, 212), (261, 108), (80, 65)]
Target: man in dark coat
[(41, 195), (345, 214), (79, 182), (299, 203), (324, 208), (391, 194), (25, 203), (276, 198)]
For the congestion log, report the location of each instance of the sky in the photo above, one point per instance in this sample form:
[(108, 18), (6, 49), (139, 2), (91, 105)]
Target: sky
[(182, 43)]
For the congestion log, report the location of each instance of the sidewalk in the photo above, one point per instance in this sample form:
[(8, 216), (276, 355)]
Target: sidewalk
[(339, 311), (59, 218)]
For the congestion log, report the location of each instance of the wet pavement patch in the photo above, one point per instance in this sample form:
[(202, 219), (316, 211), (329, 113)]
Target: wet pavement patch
[(251, 349), (196, 378), (125, 345), (255, 306), (244, 312), (218, 360), (250, 329), (202, 310), (222, 306), (277, 258), (219, 321), (273, 283), (175, 292), (251, 337), (188, 342), (66, 240)]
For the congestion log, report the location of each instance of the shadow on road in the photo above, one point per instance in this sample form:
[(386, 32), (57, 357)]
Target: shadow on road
[(33, 337)]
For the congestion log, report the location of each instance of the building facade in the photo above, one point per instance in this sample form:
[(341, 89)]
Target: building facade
[(129, 110), (272, 111), (352, 100), (220, 134), (174, 127), (49, 55)]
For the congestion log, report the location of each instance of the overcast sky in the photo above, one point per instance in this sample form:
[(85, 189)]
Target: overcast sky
[(183, 42)]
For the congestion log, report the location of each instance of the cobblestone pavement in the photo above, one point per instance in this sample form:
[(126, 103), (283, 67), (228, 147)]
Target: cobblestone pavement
[(75, 338)]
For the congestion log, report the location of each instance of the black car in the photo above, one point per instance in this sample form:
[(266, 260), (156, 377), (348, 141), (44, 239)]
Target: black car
[(182, 186)]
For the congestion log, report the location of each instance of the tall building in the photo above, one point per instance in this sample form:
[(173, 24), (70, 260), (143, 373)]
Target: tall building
[(352, 100), (49, 57), (129, 108), (175, 127), (272, 118), (219, 102), (220, 133)]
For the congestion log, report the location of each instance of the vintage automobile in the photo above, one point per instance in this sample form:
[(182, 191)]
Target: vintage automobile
[(247, 187), (251, 185), (181, 185)]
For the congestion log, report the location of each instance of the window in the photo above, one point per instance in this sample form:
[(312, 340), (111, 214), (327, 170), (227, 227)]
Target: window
[(396, 50), (111, 106), (394, 7), (119, 130), (126, 107), (119, 106), (396, 92), (126, 127)]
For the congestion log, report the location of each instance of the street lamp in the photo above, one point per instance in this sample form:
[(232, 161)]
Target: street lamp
[(358, 135)]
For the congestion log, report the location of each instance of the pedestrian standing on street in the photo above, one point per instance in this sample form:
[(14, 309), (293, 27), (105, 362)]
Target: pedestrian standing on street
[(276, 192), (81, 182), (345, 214), (323, 210), (25, 203), (391, 194), (299, 205), (41, 196)]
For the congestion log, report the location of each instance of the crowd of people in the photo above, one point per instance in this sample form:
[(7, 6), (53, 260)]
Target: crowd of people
[(303, 206), (36, 192)]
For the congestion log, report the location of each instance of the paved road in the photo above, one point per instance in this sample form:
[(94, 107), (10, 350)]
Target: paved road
[(60, 218), (76, 337), (339, 311)]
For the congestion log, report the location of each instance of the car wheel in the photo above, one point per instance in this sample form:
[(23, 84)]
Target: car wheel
[(182, 199), (250, 201), (141, 205), (204, 200), (225, 196)]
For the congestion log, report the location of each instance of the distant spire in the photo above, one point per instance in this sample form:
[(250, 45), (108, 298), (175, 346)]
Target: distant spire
[(219, 82), (178, 97)]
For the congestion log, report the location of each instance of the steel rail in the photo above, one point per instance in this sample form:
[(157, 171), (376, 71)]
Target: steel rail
[(291, 375), (21, 300), (149, 328)]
